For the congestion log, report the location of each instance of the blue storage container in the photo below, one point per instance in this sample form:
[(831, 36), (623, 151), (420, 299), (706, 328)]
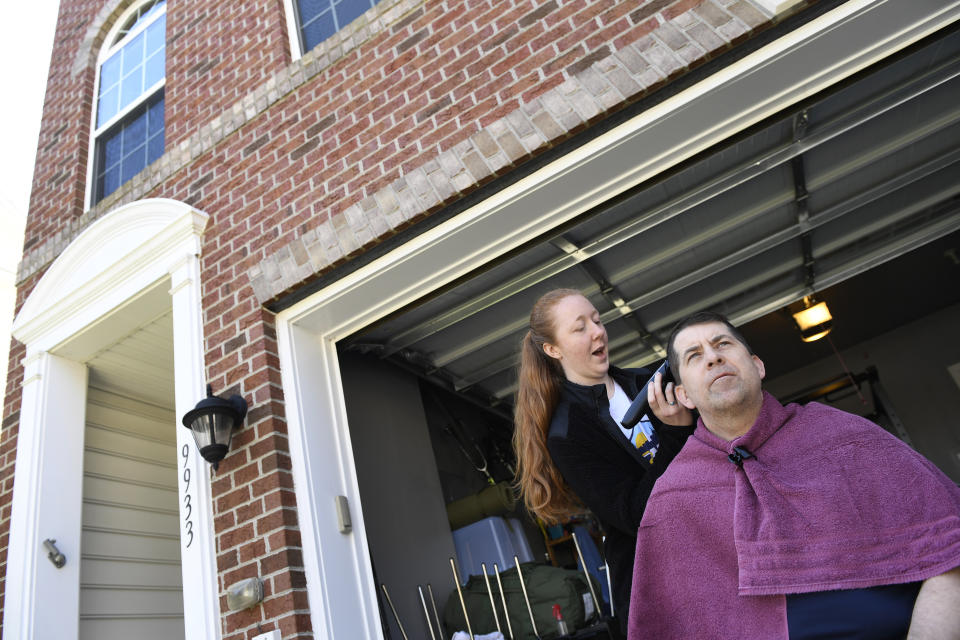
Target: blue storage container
[(493, 539)]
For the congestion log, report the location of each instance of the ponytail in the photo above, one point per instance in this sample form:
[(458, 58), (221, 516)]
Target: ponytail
[(540, 381)]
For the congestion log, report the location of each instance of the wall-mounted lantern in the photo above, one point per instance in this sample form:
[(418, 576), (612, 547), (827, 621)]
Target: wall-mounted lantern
[(213, 422)]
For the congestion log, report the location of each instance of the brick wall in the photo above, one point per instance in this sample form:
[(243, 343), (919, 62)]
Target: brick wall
[(218, 52), (302, 165)]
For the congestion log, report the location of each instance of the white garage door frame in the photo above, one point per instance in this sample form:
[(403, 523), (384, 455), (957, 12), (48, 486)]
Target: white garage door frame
[(342, 593)]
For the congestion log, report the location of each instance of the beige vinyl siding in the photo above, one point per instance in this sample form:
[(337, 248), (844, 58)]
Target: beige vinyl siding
[(130, 579)]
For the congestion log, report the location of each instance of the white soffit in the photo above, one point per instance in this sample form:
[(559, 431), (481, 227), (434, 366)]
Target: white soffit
[(118, 260), (137, 363)]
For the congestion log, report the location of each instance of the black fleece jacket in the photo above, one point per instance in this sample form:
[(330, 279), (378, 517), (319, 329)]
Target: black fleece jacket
[(607, 472)]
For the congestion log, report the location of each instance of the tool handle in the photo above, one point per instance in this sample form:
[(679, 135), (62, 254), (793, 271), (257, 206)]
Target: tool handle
[(639, 406)]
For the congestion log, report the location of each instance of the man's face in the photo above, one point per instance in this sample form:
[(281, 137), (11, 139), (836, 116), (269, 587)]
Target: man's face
[(717, 373)]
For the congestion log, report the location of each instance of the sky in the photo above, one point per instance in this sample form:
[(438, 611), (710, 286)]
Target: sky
[(25, 47)]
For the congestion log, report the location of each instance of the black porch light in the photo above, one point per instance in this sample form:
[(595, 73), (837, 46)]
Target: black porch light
[(213, 422)]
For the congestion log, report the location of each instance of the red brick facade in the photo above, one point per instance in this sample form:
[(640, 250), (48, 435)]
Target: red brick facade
[(296, 162)]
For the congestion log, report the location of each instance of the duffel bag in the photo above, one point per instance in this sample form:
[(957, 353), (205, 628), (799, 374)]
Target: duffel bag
[(546, 586)]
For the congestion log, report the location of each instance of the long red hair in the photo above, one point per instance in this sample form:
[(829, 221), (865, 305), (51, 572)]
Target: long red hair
[(540, 380)]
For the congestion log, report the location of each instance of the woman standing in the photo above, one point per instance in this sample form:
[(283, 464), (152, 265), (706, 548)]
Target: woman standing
[(572, 450)]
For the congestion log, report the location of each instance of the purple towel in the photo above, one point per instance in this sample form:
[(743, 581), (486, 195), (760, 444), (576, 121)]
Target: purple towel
[(830, 501)]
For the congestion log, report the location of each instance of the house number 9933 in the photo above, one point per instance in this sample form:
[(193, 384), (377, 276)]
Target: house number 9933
[(187, 506)]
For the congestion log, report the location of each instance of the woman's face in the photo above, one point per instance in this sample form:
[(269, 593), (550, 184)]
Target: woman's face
[(580, 341)]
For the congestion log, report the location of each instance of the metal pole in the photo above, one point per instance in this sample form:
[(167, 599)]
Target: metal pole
[(503, 599), (426, 614), (463, 604), (390, 602), (493, 605), (593, 593), (433, 605), (526, 598)]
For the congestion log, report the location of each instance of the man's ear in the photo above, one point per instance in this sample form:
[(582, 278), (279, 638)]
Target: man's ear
[(681, 394), (761, 369), (551, 350)]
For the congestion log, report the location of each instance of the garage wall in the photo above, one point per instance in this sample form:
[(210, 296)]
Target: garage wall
[(913, 362), (403, 506)]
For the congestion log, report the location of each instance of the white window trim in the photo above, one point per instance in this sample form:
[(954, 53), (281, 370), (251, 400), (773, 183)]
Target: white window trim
[(113, 273), (105, 52), (293, 30), (340, 587)]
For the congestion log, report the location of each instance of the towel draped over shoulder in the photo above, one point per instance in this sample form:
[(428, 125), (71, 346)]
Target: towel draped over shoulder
[(828, 501)]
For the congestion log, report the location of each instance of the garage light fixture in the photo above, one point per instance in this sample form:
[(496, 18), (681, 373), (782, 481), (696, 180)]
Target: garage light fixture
[(213, 422), (814, 320)]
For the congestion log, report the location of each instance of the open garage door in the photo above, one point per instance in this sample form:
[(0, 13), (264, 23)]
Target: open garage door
[(829, 194), (852, 196)]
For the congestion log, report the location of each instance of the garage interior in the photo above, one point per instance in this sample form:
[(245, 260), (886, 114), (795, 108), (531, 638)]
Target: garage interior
[(851, 196)]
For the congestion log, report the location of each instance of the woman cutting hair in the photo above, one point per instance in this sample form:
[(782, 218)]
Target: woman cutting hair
[(572, 450)]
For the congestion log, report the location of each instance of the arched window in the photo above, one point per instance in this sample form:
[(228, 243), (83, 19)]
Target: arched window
[(128, 123), (317, 20)]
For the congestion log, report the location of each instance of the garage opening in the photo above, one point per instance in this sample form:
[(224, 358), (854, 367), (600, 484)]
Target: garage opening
[(850, 196)]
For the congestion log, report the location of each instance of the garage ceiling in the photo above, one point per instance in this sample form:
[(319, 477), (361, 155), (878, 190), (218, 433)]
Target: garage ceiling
[(814, 200)]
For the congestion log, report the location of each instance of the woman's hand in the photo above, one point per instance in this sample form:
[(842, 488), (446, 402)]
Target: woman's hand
[(663, 403)]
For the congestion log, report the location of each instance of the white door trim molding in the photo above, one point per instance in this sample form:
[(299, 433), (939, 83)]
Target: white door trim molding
[(47, 500), (109, 280), (829, 48)]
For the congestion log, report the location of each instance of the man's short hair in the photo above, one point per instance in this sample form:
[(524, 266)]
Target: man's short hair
[(700, 317)]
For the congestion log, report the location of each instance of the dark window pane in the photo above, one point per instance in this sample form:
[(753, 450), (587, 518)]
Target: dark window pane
[(111, 150), (155, 117), (350, 10), (318, 30), (111, 181), (320, 19), (134, 163), (155, 147), (134, 133), (309, 9)]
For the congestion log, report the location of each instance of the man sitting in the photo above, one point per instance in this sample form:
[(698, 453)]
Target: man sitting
[(789, 522)]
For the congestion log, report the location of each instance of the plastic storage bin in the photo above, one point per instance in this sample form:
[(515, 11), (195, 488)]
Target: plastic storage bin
[(490, 540)]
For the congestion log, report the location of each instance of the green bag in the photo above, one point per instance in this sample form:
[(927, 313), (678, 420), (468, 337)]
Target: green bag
[(546, 586)]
